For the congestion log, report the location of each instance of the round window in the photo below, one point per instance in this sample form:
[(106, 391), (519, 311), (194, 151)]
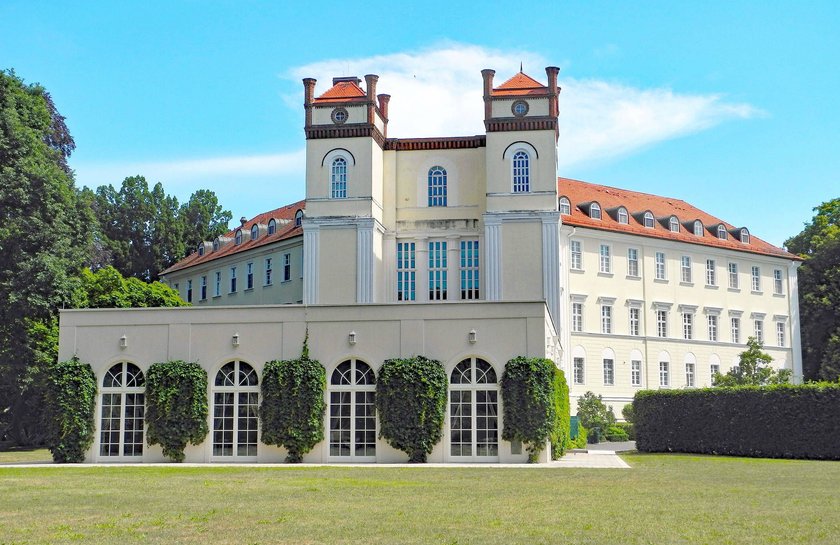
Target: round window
[(519, 108), (339, 116)]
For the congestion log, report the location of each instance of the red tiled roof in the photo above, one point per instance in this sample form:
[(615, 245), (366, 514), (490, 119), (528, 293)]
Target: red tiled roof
[(284, 231), (519, 85), (581, 194), (342, 91)]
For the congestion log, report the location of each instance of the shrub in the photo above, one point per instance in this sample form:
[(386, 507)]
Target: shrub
[(628, 428), (579, 442), (616, 433), (561, 436), (176, 406), (411, 402), (627, 412), (595, 416), (778, 421), (70, 402), (292, 409)]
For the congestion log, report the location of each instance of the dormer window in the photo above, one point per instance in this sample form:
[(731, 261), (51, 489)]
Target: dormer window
[(201, 249), (595, 211), (648, 220), (698, 228), (674, 224), (298, 218), (721, 232), (623, 217), (255, 232), (745, 236), (272, 226), (216, 245), (238, 239), (565, 206)]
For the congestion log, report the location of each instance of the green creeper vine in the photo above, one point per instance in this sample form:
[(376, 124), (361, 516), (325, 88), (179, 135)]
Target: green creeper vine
[(176, 406), (70, 402), (411, 403)]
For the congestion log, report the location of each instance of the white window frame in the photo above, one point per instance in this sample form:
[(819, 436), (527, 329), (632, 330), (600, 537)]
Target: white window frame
[(564, 206), (605, 259), (623, 216), (633, 262), (606, 319), (712, 321), (469, 268), (780, 334), (758, 326), (129, 385), (362, 393), (252, 391), (690, 374), (662, 323), (735, 329), (756, 279), (287, 267), (635, 372), (249, 276), (268, 272), (659, 260), (576, 255), (685, 269), (711, 273), (438, 270), (733, 276), (579, 370), (595, 211), (406, 271), (649, 221), (577, 317), (635, 317), (664, 374), (698, 228), (778, 282), (609, 372), (218, 289), (674, 224), (688, 326), (338, 178), (437, 186), (520, 174)]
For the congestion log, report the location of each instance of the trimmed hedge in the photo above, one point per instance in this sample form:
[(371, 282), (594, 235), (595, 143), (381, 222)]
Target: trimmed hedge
[(69, 410), (779, 421), (561, 439)]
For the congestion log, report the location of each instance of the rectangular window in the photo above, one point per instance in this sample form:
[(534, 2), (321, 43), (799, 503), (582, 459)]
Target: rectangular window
[(218, 290), (635, 373), (577, 316), (189, 291), (685, 269), (605, 259), (711, 277), (714, 369), (713, 327), (756, 278), (759, 331), (268, 271), (609, 372), (203, 288), (659, 259), (606, 319), (780, 333), (733, 276), (662, 323), (688, 325), (287, 267), (577, 255), (437, 271), (689, 375), (635, 326), (663, 373), (632, 262), (578, 370), (249, 276), (233, 279), (469, 269), (406, 271), (735, 324), (778, 287)]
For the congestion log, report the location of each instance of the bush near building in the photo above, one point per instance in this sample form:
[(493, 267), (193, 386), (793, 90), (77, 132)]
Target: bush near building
[(778, 421)]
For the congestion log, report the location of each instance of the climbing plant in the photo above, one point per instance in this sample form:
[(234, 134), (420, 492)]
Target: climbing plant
[(411, 403), (176, 406), (70, 401)]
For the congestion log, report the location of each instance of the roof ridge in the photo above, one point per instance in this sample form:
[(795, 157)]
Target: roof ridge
[(626, 190)]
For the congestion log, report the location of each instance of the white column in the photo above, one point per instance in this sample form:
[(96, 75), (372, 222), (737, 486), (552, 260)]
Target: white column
[(795, 335), (311, 278), (364, 263), (493, 257), (551, 265)]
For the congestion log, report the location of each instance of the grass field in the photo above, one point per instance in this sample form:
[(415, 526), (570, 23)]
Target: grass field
[(662, 499)]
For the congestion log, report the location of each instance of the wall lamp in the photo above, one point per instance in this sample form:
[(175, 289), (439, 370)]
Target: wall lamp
[(351, 338), (472, 336), (235, 339), (123, 341)]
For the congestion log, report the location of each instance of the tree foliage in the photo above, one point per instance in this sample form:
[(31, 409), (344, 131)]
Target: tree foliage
[(70, 401), (107, 288), (411, 403), (292, 408), (753, 369), (176, 406), (595, 416), (203, 218)]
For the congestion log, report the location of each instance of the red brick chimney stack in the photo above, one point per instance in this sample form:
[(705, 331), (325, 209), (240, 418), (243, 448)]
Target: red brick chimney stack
[(383, 110), (370, 82), (488, 74), (553, 90), (308, 97)]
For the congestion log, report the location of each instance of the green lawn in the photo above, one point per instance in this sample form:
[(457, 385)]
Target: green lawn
[(662, 499)]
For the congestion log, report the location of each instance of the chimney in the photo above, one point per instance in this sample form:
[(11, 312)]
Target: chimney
[(308, 97), (383, 110), (553, 90), (488, 74), (243, 220), (370, 82)]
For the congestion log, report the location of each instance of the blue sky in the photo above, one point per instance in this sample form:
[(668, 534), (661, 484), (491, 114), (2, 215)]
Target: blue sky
[(730, 106)]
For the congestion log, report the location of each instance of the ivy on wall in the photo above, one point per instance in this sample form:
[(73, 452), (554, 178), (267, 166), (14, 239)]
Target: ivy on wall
[(292, 408), (176, 406), (70, 402), (411, 403)]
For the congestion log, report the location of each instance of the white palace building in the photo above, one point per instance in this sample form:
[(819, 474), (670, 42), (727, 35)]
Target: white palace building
[(469, 250)]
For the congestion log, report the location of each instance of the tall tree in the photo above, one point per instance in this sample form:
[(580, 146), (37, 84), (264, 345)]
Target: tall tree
[(819, 291), (44, 233), (204, 218), (753, 369)]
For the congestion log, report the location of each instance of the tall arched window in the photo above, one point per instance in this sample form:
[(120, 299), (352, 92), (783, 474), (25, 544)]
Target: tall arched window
[(698, 228), (674, 224), (623, 217), (595, 211), (473, 410), (236, 392), (352, 413), (437, 186), (648, 220), (521, 172), (123, 402), (298, 218), (338, 178)]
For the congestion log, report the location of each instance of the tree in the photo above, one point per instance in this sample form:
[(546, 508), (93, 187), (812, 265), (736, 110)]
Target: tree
[(819, 291), (595, 416), (203, 218), (753, 369)]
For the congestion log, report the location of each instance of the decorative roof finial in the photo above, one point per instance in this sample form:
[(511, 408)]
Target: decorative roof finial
[(520, 67)]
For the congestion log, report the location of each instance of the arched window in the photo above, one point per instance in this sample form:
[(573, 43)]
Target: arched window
[(674, 224), (745, 236), (272, 226), (298, 218), (255, 231), (216, 245), (595, 211), (648, 220), (521, 172), (201, 249), (721, 232), (698, 228), (565, 206), (236, 392), (623, 216), (338, 178), (123, 403), (352, 413), (238, 239), (473, 410), (437, 186)]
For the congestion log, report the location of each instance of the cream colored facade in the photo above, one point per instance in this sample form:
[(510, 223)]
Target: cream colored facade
[(456, 249)]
